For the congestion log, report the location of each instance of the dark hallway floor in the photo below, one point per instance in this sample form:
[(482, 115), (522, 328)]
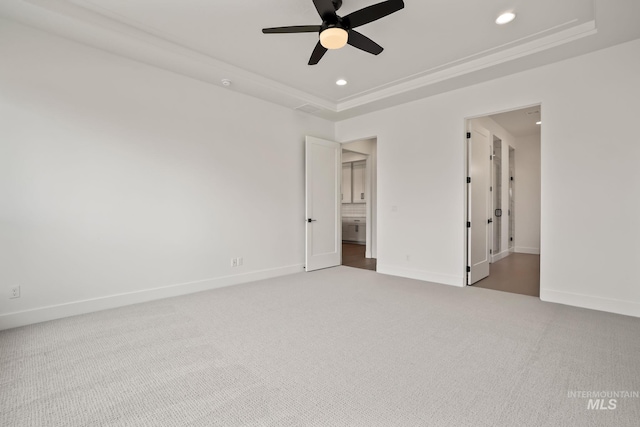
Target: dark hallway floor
[(353, 256), (517, 273)]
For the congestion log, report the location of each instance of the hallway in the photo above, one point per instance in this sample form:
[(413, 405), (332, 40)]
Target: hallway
[(353, 256), (517, 273)]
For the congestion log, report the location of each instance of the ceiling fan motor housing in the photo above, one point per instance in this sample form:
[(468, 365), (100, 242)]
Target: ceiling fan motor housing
[(335, 23), (331, 18), (336, 31)]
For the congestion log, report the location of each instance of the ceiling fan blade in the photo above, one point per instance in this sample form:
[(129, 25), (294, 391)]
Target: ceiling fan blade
[(364, 43), (317, 54), (325, 8), (292, 29), (373, 13)]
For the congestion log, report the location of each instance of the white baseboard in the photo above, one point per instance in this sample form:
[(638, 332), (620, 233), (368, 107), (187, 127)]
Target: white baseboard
[(501, 255), (426, 276), (628, 308), (43, 314), (523, 250)]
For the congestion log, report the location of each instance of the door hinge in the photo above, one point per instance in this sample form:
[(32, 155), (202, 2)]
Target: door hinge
[(468, 269), (468, 135), (490, 188), (468, 224), (468, 180), (511, 239), (490, 251), (490, 157)]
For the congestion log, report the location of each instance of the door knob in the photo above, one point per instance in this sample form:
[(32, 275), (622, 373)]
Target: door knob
[(311, 220)]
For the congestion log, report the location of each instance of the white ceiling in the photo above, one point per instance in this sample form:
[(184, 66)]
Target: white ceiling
[(520, 122), (430, 46)]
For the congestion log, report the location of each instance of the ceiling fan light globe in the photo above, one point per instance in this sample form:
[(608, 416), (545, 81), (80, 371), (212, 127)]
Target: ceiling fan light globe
[(334, 38)]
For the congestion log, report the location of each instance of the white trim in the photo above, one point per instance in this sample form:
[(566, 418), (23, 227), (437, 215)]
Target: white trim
[(367, 191), (523, 250), (467, 65), (501, 255), (93, 25), (43, 314), (426, 276), (628, 308), (369, 250)]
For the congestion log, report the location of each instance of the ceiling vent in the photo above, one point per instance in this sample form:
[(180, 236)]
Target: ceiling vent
[(308, 108)]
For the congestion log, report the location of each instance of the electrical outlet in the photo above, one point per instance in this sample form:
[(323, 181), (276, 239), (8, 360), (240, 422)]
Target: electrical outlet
[(240, 261), (234, 262), (15, 292)]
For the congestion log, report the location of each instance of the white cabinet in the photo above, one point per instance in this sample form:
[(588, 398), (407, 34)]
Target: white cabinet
[(348, 232), (353, 182), (358, 181), (346, 183), (354, 230)]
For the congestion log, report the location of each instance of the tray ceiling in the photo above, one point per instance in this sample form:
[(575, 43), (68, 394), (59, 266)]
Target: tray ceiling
[(426, 44)]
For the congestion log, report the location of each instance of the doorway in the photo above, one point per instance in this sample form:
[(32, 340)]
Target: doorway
[(496, 181), (358, 196), (503, 231)]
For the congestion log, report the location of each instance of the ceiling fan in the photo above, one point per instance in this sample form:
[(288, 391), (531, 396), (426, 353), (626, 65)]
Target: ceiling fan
[(336, 31)]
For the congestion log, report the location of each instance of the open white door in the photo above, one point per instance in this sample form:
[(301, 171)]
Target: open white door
[(479, 204), (323, 160)]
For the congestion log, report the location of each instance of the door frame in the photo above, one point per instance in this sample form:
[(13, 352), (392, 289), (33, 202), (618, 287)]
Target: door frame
[(367, 195), (498, 188), (511, 244), (371, 250), (465, 202)]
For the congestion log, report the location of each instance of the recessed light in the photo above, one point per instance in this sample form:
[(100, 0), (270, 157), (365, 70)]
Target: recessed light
[(341, 82), (539, 123), (505, 18)]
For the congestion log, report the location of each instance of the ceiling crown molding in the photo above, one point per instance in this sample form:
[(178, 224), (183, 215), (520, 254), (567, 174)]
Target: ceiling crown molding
[(72, 21), (78, 21), (469, 64)]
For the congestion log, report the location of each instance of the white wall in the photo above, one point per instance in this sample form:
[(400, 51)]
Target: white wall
[(117, 179), (527, 194), (119, 182), (590, 200)]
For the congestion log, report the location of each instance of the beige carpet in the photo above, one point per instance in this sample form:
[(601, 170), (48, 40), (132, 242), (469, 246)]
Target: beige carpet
[(338, 347)]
